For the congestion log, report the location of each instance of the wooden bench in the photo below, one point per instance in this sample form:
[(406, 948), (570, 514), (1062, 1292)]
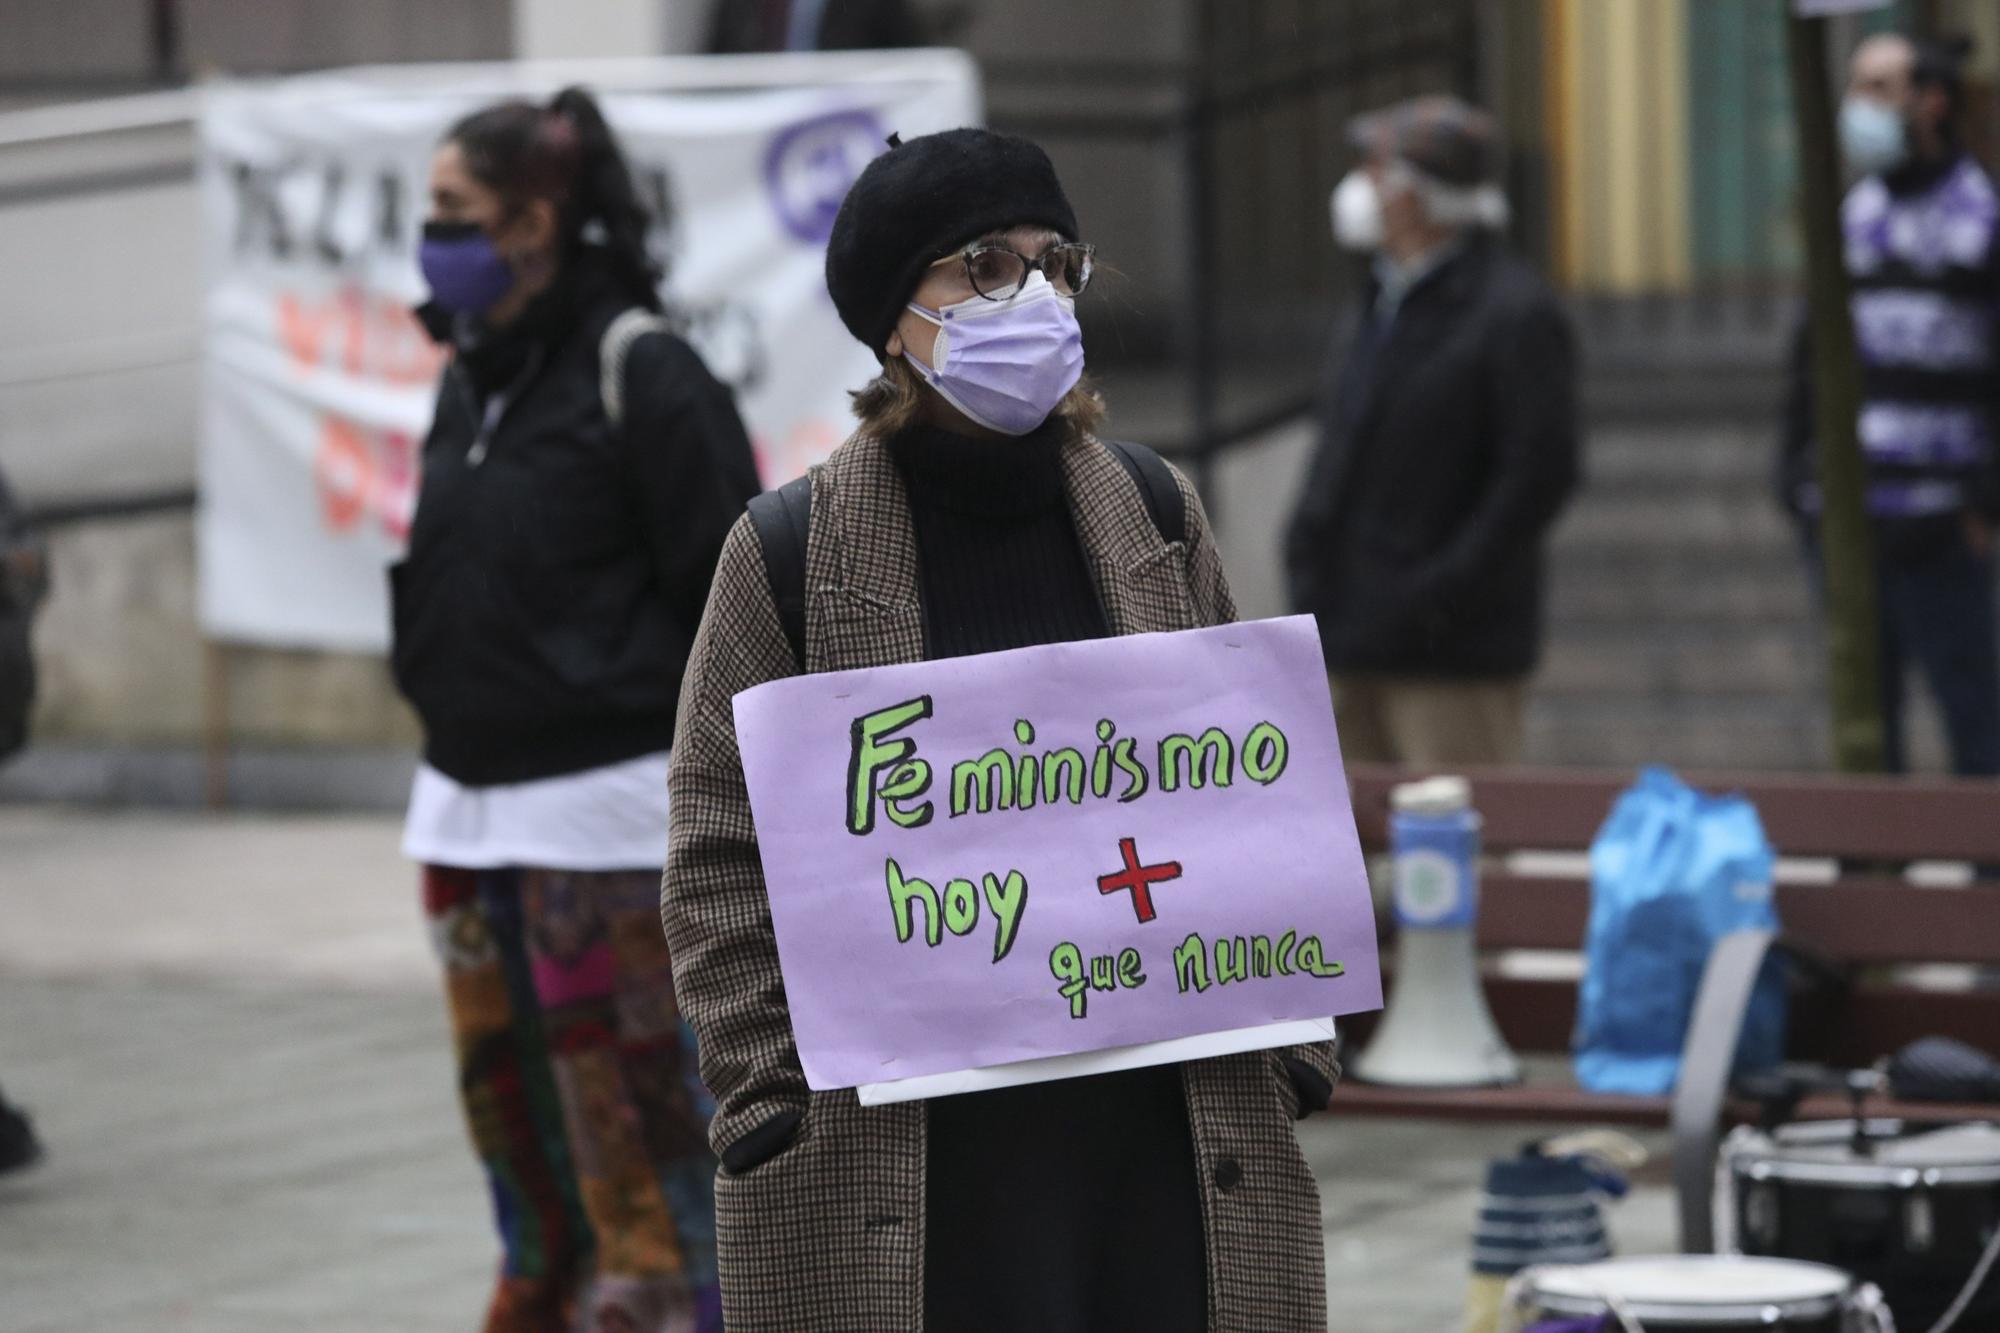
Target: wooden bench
[(1857, 937)]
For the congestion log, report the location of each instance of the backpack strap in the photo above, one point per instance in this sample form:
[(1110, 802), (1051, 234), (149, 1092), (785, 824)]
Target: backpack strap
[(613, 349), (1155, 480), (783, 520)]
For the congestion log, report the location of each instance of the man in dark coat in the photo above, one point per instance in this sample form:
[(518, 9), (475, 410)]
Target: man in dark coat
[(1448, 444), (740, 26)]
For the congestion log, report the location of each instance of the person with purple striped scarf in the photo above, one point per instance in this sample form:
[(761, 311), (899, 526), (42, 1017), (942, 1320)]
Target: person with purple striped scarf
[(1922, 231)]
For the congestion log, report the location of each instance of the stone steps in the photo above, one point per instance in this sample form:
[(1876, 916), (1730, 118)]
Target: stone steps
[(1702, 453), (1775, 734), (1682, 628), (1698, 522), (1733, 663), (1585, 594)]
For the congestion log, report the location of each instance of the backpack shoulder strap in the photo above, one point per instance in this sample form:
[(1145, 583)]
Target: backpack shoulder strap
[(1157, 487), (783, 519), (615, 347)]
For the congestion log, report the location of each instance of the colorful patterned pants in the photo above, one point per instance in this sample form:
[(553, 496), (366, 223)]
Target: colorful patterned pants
[(578, 1077)]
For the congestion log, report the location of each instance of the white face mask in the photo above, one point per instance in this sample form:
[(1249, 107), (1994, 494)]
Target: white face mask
[(1005, 364), (1872, 136), (1357, 212)]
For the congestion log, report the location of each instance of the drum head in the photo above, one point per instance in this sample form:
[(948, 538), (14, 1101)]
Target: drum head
[(1976, 1144), (1898, 1156), (1692, 1288)]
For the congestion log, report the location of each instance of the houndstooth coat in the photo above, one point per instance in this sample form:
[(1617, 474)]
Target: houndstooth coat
[(829, 1233)]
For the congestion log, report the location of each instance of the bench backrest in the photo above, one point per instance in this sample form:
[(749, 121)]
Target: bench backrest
[(1868, 918)]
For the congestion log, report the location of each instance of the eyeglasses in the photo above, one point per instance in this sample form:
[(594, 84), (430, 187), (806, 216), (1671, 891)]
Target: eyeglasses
[(997, 272)]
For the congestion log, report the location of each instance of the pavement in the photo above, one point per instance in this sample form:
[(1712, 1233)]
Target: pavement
[(229, 1031)]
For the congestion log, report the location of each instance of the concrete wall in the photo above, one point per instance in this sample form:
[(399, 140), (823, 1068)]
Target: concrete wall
[(58, 46), (122, 657), (566, 29), (287, 35), (52, 42), (98, 357)]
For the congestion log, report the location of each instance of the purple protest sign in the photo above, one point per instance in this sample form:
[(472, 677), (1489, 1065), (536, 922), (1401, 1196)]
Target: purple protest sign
[(1063, 849)]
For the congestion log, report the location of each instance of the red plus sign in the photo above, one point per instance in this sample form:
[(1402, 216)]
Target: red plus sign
[(1139, 879)]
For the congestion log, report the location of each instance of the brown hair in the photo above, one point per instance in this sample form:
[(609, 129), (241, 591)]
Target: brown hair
[(893, 401)]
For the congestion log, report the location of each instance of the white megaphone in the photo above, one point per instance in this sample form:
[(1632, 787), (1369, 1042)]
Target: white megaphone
[(1436, 1031)]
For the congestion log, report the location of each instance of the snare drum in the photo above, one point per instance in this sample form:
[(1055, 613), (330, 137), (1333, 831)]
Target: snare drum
[(1911, 1214), (1704, 1294)]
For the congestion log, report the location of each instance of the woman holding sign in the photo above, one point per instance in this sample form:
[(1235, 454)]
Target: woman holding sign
[(578, 480), (974, 511)]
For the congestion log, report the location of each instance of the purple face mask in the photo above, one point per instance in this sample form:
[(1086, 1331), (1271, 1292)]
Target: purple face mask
[(465, 273), (1005, 364)]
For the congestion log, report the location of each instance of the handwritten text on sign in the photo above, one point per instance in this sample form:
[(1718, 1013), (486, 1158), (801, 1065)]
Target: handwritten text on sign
[(992, 859)]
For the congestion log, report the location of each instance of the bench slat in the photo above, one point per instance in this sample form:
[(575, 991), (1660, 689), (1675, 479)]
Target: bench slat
[(1888, 818), (1539, 1016), (1561, 1102), (1878, 921), (1861, 921), (1533, 1015), (1527, 1101), (1879, 1020)]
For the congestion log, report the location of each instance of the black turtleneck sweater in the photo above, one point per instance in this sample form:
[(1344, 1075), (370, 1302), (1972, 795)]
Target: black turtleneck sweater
[(1001, 564), (1067, 1207)]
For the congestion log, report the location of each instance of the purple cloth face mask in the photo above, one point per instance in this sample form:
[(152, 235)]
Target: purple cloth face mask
[(466, 275), (1005, 364)]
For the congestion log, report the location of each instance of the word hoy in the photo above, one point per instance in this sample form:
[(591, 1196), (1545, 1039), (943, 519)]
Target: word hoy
[(1197, 965), (957, 908)]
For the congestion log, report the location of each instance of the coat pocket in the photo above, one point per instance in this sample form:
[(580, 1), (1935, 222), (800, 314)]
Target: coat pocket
[(771, 1138)]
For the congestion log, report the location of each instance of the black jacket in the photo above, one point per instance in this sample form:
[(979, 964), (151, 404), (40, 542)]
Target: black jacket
[(1447, 445), (557, 573)]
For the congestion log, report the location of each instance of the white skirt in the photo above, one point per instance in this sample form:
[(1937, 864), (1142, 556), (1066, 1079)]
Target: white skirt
[(609, 818)]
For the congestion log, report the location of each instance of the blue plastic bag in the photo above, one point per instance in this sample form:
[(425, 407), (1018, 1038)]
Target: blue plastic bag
[(1672, 871)]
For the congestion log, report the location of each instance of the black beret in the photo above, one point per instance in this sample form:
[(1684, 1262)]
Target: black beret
[(920, 201)]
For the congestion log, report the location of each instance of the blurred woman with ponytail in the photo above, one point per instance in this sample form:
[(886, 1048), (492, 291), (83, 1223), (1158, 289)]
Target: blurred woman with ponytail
[(578, 480)]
